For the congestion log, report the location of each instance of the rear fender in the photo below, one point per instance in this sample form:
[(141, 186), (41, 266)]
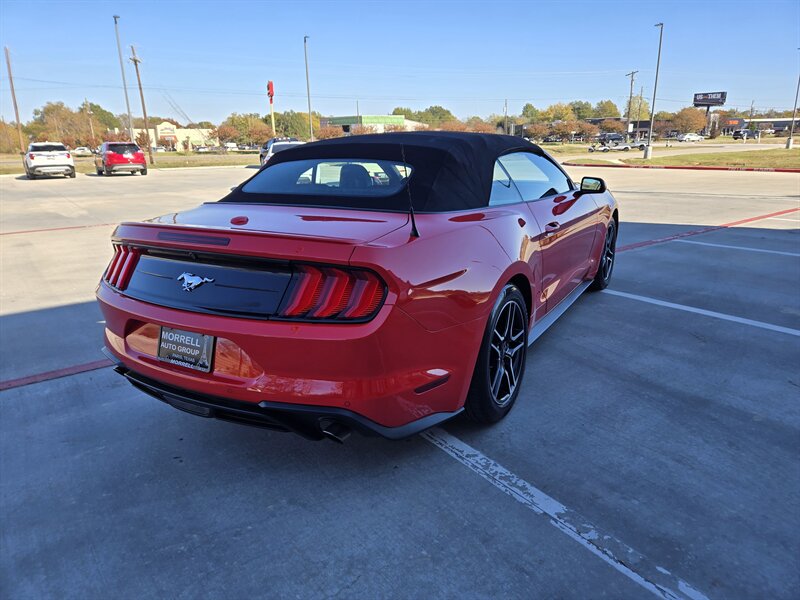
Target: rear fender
[(443, 278)]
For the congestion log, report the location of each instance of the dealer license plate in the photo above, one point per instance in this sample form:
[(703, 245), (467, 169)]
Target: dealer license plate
[(186, 348)]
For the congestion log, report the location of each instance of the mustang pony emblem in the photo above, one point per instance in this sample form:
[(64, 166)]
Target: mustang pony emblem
[(190, 281)]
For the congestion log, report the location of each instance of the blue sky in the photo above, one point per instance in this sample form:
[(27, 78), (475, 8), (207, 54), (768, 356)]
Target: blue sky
[(214, 58)]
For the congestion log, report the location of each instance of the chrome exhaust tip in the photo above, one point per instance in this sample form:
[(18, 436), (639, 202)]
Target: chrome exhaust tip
[(335, 431)]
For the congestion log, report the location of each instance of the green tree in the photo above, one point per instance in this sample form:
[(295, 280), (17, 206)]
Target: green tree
[(294, 124), (435, 115), (664, 115), (560, 112), (640, 109), (605, 109), (104, 117), (531, 113), (405, 111), (200, 125), (582, 109)]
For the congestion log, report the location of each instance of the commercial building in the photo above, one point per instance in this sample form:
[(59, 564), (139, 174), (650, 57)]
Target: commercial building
[(177, 137), (376, 123)]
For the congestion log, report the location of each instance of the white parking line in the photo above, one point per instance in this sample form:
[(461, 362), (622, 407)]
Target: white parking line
[(707, 313), (781, 219), (736, 247), (619, 555)]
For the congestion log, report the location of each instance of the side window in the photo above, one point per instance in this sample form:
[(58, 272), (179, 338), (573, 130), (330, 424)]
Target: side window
[(535, 176), (503, 190)]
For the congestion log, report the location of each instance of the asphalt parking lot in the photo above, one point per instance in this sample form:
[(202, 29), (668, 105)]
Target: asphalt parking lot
[(654, 449)]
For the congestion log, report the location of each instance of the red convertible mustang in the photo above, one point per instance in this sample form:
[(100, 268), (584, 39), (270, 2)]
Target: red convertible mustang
[(380, 283)]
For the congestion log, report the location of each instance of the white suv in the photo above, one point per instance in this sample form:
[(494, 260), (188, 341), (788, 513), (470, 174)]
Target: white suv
[(48, 158)]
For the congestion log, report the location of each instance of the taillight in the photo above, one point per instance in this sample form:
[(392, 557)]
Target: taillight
[(31, 156), (329, 293), (121, 267), (68, 156)]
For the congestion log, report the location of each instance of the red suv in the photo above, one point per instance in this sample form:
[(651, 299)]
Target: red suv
[(115, 157)]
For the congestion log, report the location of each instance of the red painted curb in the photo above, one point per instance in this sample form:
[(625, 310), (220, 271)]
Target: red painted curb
[(684, 234), (687, 168), (58, 373), (57, 228)]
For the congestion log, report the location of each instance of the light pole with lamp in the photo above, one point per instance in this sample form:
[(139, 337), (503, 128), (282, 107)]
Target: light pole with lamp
[(648, 150)]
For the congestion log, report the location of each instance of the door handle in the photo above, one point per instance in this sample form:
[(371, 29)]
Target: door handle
[(552, 228)]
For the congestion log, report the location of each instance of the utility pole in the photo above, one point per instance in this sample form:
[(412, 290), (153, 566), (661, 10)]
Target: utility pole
[(632, 75), (136, 60), (639, 111), (358, 114), (124, 83), (308, 92), (14, 100), (505, 117), (648, 151), (89, 114)]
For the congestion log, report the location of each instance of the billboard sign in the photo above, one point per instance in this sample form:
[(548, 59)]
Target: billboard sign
[(710, 98)]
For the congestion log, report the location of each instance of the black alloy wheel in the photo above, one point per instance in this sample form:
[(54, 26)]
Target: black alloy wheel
[(500, 367), (607, 258)]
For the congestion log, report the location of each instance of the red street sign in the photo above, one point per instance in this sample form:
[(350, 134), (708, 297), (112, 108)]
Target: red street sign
[(270, 91)]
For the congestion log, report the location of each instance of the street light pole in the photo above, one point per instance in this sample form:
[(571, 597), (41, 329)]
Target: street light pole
[(648, 151), (308, 91), (124, 83), (790, 141)]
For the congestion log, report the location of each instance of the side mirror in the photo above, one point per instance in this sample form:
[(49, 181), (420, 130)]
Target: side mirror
[(592, 185)]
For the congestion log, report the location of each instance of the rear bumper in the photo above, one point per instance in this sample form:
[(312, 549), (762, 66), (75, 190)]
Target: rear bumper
[(378, 376), (126, 167), (305, 420), (51, 169)]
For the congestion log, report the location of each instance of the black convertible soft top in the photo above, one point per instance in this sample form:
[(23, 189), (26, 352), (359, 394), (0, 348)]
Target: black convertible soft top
[(451, 170)]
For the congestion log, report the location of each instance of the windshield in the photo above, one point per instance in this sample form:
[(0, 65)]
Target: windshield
[(48, 148), (123, 148), (329, 177), (281, 147)]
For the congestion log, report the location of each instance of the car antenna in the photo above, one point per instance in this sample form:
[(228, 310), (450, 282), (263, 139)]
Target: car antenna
[(414, 230)]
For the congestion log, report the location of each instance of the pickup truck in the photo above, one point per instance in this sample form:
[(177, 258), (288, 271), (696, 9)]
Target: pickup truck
[(48, 158)]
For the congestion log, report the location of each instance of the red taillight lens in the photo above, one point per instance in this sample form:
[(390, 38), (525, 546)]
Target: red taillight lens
[(366, 297), (31, 156), (68, 156), (306, 292), (121, 267), (333, 294)]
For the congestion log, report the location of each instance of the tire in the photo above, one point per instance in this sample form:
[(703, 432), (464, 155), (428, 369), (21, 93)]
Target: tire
[(606, 149), (143, 172), (641, 146), (607, 259), (626, 148), (591, 149), (72, 174), (500, 366), (31, 176), (106, 171)]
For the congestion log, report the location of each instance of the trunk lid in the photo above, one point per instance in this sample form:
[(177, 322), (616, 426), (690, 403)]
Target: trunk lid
[(248, 254), (352, 227)]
